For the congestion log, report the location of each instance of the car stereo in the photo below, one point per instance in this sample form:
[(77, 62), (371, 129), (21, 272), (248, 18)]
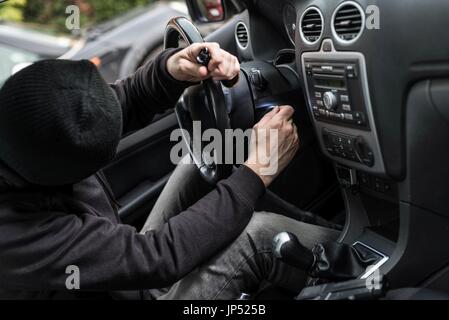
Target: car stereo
[(336, 85), (334, 88)]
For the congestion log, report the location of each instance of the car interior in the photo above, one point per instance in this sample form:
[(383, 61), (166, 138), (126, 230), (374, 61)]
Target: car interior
[(369, 82)]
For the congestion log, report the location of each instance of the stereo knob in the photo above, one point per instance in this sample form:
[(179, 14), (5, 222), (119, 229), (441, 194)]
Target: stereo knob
[(330, 100)]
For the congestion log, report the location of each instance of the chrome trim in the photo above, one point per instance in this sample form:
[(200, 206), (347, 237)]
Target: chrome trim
[(334, 33), (300, 25), (375, 267)]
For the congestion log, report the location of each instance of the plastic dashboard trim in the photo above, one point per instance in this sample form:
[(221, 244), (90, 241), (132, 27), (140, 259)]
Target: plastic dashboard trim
[(370, 136)]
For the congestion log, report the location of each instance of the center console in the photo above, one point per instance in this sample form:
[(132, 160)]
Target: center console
[(337, 89), (338, 95), (380, 113)]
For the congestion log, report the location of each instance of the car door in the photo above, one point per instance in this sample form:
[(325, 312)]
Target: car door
[(141, 168)]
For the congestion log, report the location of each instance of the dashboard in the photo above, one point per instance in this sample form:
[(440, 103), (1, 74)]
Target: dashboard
[(290, 19), (374, 76), (394, 44)]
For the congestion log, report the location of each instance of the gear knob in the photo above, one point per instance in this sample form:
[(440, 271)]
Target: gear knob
[(287, 247)]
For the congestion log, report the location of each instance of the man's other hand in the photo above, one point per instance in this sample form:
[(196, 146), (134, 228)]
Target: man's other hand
[(183, 65), (274, 143)]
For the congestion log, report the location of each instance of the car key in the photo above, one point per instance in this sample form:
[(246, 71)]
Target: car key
[(204, 57)]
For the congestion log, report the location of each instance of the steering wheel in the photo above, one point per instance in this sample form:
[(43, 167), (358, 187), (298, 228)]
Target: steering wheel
[(202, 104)]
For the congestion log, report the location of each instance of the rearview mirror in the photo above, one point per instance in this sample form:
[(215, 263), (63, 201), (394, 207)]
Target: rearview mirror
[(204, 11)]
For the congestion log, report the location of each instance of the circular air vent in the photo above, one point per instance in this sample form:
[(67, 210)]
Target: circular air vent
[(348, 22), (311, 25), (241, 35)]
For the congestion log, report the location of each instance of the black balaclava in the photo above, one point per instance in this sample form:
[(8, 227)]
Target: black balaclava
[(60, 122)]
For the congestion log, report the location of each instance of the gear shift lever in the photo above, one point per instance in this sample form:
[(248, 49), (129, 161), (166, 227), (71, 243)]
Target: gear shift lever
[(287, 247), (332, 261)]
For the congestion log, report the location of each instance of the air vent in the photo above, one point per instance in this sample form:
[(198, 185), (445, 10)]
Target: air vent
[(311, 25), (241, 35), (348, 22)]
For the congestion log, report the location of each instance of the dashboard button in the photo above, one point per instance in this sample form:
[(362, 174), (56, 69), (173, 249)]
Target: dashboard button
[(346, 107), (351, 72), (378, 185), (349, 141), (364, 179), (330, 100), (327, 46), (334, 139), (359, 119)]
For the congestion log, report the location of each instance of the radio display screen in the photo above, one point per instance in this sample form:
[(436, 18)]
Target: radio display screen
[(330, 83)]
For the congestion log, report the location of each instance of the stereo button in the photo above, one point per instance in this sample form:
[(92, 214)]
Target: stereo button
[(359, 119), (351, 72), (346, 107), (330, 100)]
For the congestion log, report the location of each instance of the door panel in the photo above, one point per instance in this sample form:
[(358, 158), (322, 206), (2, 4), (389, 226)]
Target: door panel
[(141, 168)]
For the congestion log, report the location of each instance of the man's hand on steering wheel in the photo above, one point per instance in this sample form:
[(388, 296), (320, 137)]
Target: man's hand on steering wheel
[(183, 65)]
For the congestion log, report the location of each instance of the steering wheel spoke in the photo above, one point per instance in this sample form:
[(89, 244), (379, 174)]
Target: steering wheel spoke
[(204, 104)]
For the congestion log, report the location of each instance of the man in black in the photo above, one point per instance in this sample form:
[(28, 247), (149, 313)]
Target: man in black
[(60, 124)]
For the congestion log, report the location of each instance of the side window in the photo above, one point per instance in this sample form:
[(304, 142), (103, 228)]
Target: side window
[(12, 60)]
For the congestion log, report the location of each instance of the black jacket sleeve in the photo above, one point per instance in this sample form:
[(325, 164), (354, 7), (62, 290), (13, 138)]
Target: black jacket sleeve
[(38, 247), (150, 90)]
